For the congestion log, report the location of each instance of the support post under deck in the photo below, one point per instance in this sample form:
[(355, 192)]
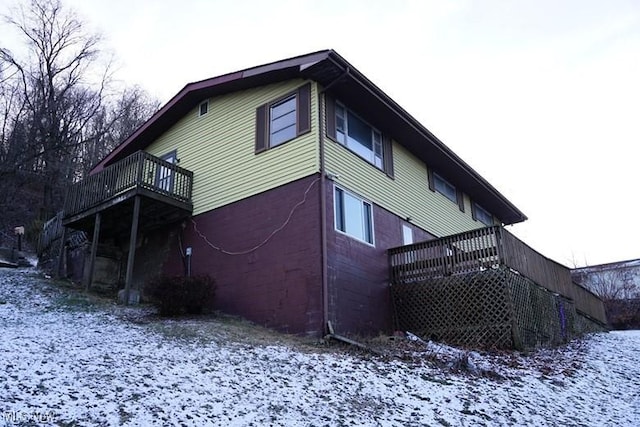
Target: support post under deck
[(94, 250), (61, 270), (132, 248)]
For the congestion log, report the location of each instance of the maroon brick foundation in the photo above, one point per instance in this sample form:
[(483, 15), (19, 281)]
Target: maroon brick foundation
[(279, 284), (358, 273)]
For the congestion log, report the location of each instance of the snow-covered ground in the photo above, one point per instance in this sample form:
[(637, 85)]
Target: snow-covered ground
[(65, 360)]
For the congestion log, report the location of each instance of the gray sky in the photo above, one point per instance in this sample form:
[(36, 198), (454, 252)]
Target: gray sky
[(541, 97)]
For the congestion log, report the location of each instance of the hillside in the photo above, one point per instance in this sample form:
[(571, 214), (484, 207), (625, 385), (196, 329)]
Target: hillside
[(70, 359)]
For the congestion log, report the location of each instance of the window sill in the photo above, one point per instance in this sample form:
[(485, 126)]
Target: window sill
[(347, 149), (364, 242)]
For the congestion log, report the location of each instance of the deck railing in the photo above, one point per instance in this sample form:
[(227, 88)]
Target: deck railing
[(485, 248), (459, 253), (140, 170)]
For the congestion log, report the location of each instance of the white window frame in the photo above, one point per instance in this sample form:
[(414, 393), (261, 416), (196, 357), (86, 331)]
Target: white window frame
[(206, 106), (339, 217), (342, 136), (481, 212), (293, 97), (407, 235), (441, 185)]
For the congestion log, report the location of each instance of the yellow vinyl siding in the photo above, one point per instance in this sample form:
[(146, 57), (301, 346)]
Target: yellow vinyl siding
[(407, 195), (219, 148)]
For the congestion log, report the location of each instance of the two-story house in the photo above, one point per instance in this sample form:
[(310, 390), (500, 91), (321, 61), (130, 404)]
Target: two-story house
[(287, 183)]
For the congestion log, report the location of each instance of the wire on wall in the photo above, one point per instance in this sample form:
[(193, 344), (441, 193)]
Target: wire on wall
[(269, 237)]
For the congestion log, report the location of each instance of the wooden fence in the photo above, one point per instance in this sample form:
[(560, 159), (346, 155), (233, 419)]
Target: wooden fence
[(139, 170), (51, 232), (486, 248)]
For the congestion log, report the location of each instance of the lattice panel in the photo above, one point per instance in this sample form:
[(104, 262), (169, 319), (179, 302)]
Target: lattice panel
[(493, 308), (542, 318), (471, 310), (584, 325)]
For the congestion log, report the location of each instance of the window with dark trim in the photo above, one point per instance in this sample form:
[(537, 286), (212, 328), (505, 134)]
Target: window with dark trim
[(353, 216), (481, 214), (349, 129), (283, 119), (203, 108), (444, 187)]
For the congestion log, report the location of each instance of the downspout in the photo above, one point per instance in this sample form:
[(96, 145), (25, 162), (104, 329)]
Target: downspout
[(323, 216), (323, 202)]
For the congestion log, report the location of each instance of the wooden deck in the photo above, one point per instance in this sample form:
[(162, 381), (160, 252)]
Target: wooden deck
[(163, 184), (140, 192), (486, 248)]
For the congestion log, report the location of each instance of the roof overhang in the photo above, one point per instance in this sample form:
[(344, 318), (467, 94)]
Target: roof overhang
[(343, 81)]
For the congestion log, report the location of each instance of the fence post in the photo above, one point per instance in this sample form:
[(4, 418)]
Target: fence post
[(62, 255)]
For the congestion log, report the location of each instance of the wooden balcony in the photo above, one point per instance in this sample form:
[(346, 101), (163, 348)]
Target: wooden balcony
[(140, 192), (165, 187), (486, 248)]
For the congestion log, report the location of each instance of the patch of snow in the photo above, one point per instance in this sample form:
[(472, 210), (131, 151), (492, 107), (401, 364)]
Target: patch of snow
[(62, 362)]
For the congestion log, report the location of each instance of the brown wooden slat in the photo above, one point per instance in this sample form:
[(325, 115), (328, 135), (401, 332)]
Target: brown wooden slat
[(487, 248), (140, 170)]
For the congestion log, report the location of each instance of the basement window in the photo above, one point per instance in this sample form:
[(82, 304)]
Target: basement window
[(353, 216)]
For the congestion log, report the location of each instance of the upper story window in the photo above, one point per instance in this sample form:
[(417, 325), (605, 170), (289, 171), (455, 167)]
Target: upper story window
[(353, 216), (359, 136), (444, 187), (204, 108), (283, 119), (482, 215), (352, 131)]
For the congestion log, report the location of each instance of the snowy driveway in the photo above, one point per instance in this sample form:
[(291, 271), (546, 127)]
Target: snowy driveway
[(65, 361)]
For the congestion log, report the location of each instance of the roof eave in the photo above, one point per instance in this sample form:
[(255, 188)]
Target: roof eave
[(510, 213), (305, 66), (238, 80)]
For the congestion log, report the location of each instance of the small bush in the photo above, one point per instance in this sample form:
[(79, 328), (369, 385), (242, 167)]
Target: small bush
[(181, 295)]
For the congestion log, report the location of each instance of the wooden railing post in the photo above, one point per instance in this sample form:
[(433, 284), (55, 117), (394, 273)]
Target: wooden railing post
[(500, 249), (140, 160)]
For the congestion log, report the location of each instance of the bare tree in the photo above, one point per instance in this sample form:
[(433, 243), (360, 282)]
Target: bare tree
[(56, 119), (114, 123), (609, 283), (56, 89)]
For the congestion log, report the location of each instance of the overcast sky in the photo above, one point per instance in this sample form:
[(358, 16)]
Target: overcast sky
[(541, 97)]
